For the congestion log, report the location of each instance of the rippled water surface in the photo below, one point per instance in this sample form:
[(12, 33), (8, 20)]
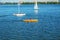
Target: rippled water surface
[(47, 28)]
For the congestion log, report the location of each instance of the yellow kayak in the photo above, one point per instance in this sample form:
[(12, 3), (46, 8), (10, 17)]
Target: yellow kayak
[(30, 20)]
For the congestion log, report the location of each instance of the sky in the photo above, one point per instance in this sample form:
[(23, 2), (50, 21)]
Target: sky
[(25, 0)]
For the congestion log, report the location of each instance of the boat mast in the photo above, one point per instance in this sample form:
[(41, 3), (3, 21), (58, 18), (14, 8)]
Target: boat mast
[(18, 7), (19, 3)]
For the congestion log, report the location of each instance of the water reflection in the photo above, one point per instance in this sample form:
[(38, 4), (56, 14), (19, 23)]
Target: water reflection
[(36, 11)]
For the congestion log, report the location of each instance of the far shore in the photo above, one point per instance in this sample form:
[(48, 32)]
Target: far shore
[(33, 3)]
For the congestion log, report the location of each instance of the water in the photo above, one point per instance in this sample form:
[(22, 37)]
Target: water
[(48, 27)]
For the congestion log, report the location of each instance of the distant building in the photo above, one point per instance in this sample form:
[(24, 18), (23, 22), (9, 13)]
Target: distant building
[(41, 0), (12, 1)]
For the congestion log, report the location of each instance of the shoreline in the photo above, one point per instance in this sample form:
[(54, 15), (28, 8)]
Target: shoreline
[(33, 3)]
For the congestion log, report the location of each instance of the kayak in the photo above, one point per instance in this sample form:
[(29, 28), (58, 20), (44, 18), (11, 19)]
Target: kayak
[(31, 20)]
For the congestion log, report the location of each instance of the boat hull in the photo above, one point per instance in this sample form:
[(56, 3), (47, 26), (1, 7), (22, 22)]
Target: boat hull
[(31, 20)]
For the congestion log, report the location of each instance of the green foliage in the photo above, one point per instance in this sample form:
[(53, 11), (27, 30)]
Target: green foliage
[(33, 3)]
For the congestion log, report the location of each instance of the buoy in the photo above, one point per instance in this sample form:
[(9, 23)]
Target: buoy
[(31, 20)]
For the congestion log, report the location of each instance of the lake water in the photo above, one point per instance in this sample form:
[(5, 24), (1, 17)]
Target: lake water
[(47, 28)]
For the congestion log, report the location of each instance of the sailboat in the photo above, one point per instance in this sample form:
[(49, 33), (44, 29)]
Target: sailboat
[(36, 6), (19, 14)]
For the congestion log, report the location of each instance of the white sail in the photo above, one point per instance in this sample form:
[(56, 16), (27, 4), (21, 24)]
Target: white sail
[(35, 6)]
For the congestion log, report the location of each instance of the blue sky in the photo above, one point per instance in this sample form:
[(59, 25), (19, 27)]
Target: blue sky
[(23, 0)]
